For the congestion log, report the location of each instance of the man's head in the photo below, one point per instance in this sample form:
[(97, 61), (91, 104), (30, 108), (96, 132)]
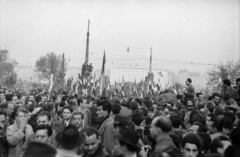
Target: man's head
[(227, 126), (58, 100), (21, 115), (91, 142), (104, 108), (200, 96), (216, 98), (190, 104), (77, 119), (220, 144), (2, 96), (198, 127), (44, 118), (43, 133), (7, 107), (82, 102), (70, 138), (175, 120), (67, 111), (216, 126), (238, 82), (188, 81), (116, 108), (191, 145), (160, 125), (226, 83), (2, 121), (125, 142)]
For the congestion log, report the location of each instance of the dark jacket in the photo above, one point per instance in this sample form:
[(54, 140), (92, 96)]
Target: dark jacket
[(189, 95), (3, 146), (161, 146), (101, 152)]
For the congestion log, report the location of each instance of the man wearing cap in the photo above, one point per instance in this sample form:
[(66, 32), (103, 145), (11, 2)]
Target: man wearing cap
[(126, 143), (69, 141)]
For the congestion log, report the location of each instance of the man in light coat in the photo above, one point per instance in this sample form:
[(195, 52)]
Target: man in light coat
[(18, 133)]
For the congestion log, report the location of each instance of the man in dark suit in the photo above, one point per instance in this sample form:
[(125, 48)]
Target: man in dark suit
[(189, 92)]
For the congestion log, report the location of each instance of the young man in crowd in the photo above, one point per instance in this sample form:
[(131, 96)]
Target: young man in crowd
[(67, 111), (77, 120), (104, 108), (191, 145), (18, 133), (43, 133)]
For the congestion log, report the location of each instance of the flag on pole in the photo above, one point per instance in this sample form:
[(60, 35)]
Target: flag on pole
[(102, 78), (50, 90)]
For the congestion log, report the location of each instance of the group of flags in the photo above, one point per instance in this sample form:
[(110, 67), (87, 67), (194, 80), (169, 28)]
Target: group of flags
[(81, 85)]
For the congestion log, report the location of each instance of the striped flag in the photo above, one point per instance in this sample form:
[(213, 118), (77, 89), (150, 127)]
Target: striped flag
[(102, 78)]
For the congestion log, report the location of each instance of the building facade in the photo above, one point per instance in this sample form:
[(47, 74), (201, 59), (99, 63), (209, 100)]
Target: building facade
[(130, 75)]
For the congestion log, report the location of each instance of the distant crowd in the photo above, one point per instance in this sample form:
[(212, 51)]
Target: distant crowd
[(32, 124)]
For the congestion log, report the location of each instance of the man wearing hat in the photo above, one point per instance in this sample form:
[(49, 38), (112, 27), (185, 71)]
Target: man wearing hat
[(69, 140), (126, 143)]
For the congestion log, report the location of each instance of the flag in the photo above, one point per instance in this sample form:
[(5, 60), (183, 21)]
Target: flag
[(102, 78), (50, 90)]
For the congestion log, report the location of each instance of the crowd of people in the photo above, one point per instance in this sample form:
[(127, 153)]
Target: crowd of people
[(63, 125)]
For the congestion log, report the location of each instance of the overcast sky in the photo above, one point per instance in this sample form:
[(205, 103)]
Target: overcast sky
[(179, 31)]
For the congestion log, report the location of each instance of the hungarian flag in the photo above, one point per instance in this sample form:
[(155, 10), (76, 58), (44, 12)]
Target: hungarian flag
[(102, 78)]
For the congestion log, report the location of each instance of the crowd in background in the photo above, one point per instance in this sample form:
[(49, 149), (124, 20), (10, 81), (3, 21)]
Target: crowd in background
[(32, 124)]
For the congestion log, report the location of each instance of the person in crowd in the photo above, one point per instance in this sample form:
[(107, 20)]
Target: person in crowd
[(2, 97), (216, 99), (3, 138), (160, 129), (18, 133), (189, 91), (107, 138), (199, 100), (8, 108), (104, 108), (69, 141), (228, 91), (43, 133), (92, 147), (37, 149), (219, 145), (126, 143), (77, 120), (83, 107), (43, 118), (67, 111), (198, 127), (191, 145), (232, 151), (215, 129)]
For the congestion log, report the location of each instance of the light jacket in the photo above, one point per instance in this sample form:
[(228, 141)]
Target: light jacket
[(15, 137)]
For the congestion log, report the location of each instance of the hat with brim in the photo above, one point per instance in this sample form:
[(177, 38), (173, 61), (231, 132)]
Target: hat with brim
[(128, 136), (70, 137)]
